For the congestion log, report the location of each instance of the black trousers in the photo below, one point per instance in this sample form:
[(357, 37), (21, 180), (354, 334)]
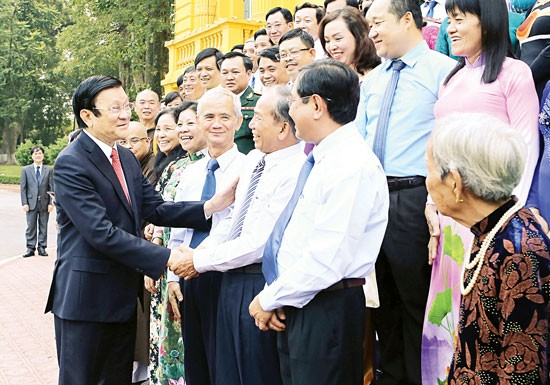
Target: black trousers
[(35, 217), (199, 315), (244, 354), (403, 276), (94, 353), (323, 341)]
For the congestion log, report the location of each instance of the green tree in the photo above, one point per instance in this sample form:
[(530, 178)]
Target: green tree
[(32, 101)]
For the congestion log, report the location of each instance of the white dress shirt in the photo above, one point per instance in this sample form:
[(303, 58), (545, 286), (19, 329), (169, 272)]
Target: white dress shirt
[(439, 10), (190, 189), (338, 224), (272, 194)]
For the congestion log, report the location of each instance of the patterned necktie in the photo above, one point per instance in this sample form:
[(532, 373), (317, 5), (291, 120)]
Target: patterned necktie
[(38, 174), (208, 191), (379, 145), (269, 260), (237, 226), (118, 171), (432, 5)]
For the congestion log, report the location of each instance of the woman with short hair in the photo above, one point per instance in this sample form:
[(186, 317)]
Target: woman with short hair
[(474, 163)]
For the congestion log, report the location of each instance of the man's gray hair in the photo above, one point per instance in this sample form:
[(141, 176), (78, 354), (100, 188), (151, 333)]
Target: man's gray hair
[(280, 112), (487, 153), (219, 92)]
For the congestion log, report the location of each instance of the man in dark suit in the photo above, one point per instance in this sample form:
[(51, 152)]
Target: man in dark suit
[(236, 71), (102, 197), (36, 181)]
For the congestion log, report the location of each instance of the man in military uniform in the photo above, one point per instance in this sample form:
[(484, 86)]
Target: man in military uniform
[(236, 71)]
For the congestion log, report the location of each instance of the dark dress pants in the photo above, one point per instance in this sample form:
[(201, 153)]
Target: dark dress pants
[(94, 353), (199, 315), (244, 354), (403, 276), (323, 341), (35, 217)]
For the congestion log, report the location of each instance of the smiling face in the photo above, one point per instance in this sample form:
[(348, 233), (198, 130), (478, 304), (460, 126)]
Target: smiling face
[(295, 55), (262, 42), (137, 140), (276, 26), (339, 42), (234, 75), (386, 30), (465, 33), (272, 72), (190, 136), (37, 156), (208, 72), (265, 128), (108, 126), (166, 135), (147, 105), (306, 19), (218, 122)]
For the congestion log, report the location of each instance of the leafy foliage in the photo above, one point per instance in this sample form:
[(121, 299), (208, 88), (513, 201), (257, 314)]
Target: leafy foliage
[(441, 306), (453, 245)]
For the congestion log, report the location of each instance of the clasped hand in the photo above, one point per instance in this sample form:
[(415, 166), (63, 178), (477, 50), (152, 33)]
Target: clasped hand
[(181, 262), (265, 320)]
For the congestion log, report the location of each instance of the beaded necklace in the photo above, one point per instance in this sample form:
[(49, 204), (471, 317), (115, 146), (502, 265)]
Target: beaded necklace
[(477, 262)]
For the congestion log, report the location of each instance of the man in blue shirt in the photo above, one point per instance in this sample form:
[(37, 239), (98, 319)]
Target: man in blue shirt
[(395, 116)]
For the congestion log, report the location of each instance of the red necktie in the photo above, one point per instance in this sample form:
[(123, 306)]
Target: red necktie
[(118, 171)]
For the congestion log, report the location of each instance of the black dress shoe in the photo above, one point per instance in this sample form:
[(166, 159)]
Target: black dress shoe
[(42, 252), (29, 253)]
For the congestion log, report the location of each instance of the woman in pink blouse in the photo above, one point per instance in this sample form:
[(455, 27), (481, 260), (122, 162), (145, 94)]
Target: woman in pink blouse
[(487, 80)]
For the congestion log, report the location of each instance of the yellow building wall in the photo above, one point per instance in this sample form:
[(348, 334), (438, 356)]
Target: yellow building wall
[(220, 24)]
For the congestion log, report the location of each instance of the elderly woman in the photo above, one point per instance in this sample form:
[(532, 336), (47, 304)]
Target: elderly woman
[(474, 163), (486, 80)]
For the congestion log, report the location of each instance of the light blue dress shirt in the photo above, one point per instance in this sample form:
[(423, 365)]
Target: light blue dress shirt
[(412, 113)]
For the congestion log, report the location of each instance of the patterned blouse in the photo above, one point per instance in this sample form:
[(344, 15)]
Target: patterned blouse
[(503, 331)]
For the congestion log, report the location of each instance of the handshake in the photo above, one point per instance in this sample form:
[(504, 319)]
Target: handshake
[(181, 262)]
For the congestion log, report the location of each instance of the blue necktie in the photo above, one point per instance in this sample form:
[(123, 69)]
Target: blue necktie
[(432, 5), (269, 260), (237, 226), (208, 191), (379, 145), (38, 174)]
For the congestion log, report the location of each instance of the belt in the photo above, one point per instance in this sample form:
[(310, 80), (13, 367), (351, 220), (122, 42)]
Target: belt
[(400, 183), (255, 268), (346, 284)]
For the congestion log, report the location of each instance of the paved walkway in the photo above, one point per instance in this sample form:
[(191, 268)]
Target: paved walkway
[(27, 344)]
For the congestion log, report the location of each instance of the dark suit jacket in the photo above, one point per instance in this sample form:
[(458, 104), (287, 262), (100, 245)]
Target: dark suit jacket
[(243, 137), (101, 257), (35, 195)]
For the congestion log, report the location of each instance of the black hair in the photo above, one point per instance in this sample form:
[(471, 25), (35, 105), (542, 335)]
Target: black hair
[(170, 96), (319, 11), (206, 53), (247, 62), (237, 47), (37, 148), (271, 53), (349, 3), (336, 83), (186, 105), (495, 40), (287, 15), (162, 160), (189, 69), (304, 36), (85, 95), (260, 32), (400, 7)]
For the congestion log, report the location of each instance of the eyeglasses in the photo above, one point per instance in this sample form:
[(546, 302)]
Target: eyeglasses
[(132, 141), (293, 53), (116, 110)]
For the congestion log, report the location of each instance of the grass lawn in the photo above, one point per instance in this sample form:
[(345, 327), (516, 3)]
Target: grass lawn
[(10, 174)]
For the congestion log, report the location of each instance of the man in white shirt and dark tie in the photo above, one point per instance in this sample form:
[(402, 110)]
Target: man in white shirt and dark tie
[(219, 116), (327, 239), (245, 355)]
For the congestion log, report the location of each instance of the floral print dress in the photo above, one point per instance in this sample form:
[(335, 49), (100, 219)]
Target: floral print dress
[(503, 333), (165, 339)]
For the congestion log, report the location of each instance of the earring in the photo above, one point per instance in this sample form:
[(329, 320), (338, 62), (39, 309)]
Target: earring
[(459, 200)]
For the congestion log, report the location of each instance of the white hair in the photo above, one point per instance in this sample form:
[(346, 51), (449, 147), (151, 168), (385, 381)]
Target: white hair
[(219, 92), (487, 153)]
